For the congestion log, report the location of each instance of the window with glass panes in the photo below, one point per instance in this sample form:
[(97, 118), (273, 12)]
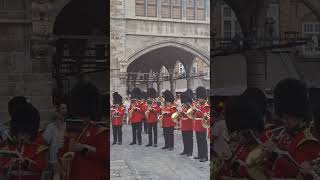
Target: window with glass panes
[(181, 68), (311, 30), (190, 9), (230, 26), (140, 7), (166, 8), (176, 9), (200, 9), (152, 8)]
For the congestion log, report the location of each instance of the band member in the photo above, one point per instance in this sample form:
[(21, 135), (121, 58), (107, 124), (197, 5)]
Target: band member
[(186, 125), (167, 124), (292, 106), (144, 121), (26, 153), (136, 115), (244, 122), (200, 113), (153, 110), (85, 145), (117, 114)]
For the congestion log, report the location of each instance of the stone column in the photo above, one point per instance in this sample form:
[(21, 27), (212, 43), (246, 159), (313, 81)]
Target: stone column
[(172, 81), (38, 79), (189, 81), (256, 69)]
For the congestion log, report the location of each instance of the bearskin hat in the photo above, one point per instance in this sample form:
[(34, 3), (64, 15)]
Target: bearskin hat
[(185, 98), (117, 98), (241, 114), (168, 96), (84, 100), (152, 93), (257, 96), (25, 119), (201, 93), (190, 93), (291, 98), (315, 102), (136, 93), (15, 102)]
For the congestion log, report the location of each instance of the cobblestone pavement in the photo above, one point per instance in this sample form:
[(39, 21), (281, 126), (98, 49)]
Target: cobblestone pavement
[(150, 163)]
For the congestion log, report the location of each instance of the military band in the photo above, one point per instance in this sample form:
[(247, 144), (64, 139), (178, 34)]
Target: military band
[(282, 146), (191, 115)]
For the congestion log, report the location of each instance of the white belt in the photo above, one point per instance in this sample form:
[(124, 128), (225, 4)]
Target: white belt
[(198, 119)]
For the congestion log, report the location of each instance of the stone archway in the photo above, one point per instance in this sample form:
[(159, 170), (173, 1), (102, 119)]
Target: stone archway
[(168, 43)]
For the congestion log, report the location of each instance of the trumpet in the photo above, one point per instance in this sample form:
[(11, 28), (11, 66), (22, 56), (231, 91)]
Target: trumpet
[(160, 117)]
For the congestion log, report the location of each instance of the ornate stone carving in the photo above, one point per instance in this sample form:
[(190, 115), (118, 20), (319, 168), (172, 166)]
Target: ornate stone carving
[(41, 16), (41, 50)]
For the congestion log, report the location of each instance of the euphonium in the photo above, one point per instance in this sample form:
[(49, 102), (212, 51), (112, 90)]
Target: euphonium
[(191, 113), (175, 117)]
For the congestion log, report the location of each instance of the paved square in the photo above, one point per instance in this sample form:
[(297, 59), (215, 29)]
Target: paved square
[(154, 163)]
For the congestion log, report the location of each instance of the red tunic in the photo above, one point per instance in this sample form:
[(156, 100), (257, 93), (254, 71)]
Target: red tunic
[(186, 124), (90, 165), (138, 115), (37, 152), (153, 115), (167, 121), (118, 119), (198, 116), (302, 147), (240, 155)]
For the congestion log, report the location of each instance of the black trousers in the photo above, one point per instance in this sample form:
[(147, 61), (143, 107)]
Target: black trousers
[(117, 133), (187, 138), (169, 137), (155, 132), (202, 144), (145, 125), (136, 132)]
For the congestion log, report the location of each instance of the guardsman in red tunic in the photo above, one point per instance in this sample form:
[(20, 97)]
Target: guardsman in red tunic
[(296, 141), (136, 115), (117, 114), (186, 125), (152, 113), (25, 156), (244, 122), (167, 124), (85, 146), (201, 132)]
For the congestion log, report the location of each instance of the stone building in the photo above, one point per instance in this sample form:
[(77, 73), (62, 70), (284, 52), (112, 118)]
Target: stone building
[(31, 35), (147, 35), (282, 20)]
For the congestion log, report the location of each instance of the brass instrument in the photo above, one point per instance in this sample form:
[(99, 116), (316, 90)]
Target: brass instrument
[(69, 156), (160, 117), (204, 121)]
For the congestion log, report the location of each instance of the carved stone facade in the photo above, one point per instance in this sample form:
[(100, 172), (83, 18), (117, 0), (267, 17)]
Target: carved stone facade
[(26, 53), (133, 35)]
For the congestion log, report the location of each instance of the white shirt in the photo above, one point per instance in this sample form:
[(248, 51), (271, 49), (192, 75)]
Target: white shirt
[(54, 136), (220, 146)]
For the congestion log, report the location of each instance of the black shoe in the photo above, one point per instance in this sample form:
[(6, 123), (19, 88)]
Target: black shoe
[(114, 143), (132, 143), (140, 143), (183, 153), (190, 154), (120, 143), (170, 149), (155, 145), (203, 159), (197, 157), (165, 147), (148, 145)]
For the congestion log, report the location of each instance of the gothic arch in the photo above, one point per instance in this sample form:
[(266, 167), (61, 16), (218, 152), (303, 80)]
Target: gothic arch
[(169, 43)]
